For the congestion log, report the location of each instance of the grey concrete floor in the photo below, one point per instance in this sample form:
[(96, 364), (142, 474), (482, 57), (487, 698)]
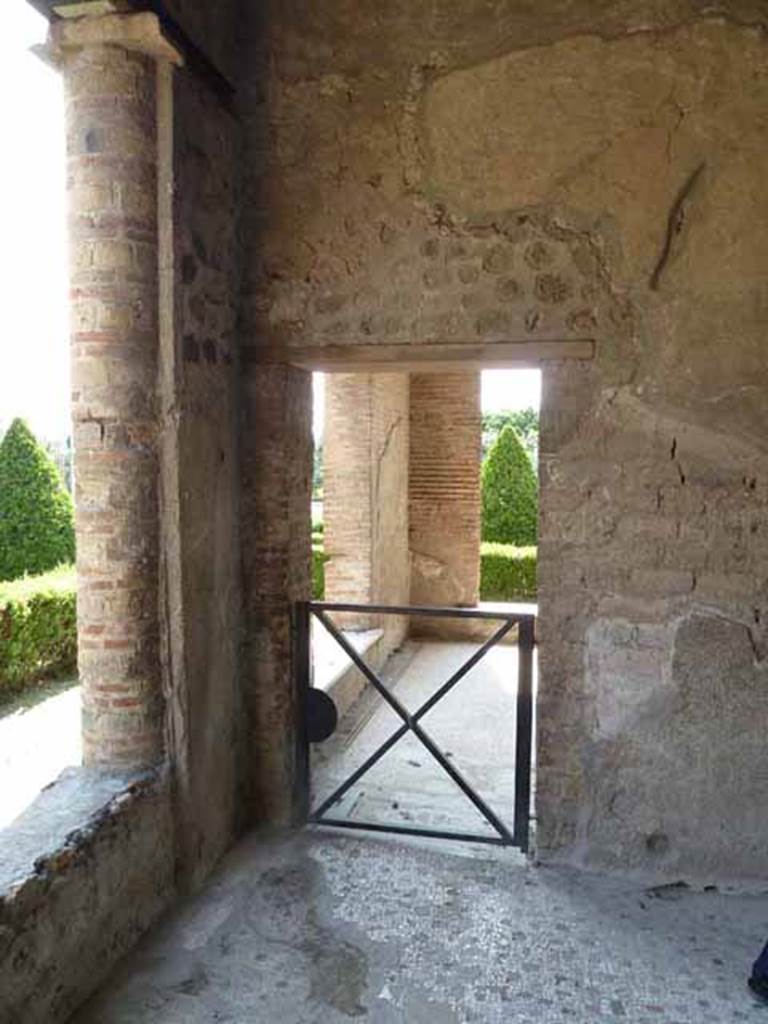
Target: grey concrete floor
[(473, 725), (322, 928)]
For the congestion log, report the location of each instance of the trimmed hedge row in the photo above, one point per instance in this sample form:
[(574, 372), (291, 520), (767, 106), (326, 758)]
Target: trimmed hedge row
[(319, 558), (507, 573), (38, 629)]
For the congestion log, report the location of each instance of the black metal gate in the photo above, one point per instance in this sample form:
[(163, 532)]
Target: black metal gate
[(319, 716)]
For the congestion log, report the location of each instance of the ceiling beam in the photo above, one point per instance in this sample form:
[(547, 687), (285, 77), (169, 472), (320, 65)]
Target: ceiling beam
[(419, 358)]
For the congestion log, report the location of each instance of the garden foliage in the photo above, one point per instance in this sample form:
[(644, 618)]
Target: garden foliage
[(36, 516), (38, 629), (507, 573), (509, 493)]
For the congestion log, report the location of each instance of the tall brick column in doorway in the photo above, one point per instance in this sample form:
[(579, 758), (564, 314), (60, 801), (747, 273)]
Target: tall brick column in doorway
[(365, 490), (111, 67), (444, 488)]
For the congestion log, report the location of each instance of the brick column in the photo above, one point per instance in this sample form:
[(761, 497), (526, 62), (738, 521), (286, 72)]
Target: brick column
[(365, 486), (110, 70), (444, 488)]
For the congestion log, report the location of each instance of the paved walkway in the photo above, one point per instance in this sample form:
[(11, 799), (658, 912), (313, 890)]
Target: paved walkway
[(37, 741), (324, 928)]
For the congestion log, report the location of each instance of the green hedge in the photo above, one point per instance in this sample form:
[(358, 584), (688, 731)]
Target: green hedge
[(38, 629), (319, 558), (507, 573)]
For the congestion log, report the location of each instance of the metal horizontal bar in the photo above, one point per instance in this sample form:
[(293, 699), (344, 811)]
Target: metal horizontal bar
[(368, 826), (434, 613)]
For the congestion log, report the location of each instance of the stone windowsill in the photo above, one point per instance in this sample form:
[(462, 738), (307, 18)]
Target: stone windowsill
[(63, 817)]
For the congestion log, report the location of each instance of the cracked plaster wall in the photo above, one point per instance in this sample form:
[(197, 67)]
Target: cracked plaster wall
[(448, 172)]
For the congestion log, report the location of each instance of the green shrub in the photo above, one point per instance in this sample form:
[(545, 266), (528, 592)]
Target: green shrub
[(36, 516), (507, 573), (38, 629), (319, 558), (509, 493)]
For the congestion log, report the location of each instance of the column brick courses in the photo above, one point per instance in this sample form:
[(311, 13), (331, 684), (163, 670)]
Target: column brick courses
[(444, 488), (112, 156)]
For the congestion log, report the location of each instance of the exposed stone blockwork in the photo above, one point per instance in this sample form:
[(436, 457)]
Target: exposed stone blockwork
[(444, 488), (112, 158)]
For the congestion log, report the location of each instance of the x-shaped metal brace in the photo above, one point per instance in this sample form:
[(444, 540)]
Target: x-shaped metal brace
[(411, 724)]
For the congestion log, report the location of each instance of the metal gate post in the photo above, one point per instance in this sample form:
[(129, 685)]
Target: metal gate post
[(302, 680), (524, 734)]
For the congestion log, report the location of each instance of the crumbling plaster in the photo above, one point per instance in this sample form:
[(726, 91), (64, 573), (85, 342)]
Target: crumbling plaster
[(581, 170)]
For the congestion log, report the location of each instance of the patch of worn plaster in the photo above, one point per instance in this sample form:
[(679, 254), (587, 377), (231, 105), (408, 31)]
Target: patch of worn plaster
[(628, 668), (428, 573), (609, 128)]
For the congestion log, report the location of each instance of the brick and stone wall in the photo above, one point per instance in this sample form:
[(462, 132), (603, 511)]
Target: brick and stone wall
[(275, 524), (439, 177)]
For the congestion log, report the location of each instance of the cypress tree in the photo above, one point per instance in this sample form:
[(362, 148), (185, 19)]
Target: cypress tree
[(509, 493), (36, 515)]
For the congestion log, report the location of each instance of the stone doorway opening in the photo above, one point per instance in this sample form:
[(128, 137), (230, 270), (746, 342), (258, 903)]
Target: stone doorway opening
[(401, 525)]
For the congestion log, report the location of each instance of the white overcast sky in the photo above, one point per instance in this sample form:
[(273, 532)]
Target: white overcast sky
[(34, 357), (34, 361)]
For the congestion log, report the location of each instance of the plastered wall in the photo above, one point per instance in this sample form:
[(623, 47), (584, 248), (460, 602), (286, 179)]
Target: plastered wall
[(582, 170)]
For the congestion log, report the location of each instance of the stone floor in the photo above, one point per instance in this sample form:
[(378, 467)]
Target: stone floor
[(39, 737), (473, 725), (322, 928)]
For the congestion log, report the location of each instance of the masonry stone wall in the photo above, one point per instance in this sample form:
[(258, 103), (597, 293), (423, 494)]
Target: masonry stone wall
[(581, 171)]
